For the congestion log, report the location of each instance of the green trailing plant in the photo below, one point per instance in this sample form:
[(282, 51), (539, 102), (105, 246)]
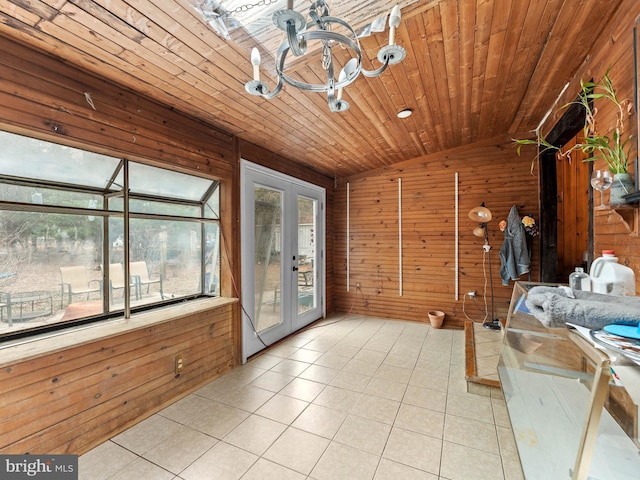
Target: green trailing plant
[(614, 150)]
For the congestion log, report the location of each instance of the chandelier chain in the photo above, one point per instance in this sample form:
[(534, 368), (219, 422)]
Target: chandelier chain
[(247, 7)]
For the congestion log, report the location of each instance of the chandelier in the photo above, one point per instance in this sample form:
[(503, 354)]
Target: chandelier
[(319, 28)]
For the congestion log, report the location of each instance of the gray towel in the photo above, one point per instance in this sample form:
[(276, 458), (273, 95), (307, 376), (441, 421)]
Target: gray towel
[(554, 307)]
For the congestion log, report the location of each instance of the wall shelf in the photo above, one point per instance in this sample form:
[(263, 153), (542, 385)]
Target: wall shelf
[(629, 216)]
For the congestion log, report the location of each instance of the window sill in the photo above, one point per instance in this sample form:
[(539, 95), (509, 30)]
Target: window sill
[(39, 345)]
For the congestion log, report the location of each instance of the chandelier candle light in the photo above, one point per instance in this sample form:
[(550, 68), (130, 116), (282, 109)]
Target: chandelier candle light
[(320, 28)]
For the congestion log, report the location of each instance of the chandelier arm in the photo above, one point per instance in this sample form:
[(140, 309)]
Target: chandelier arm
[(298, 47), (375, 73), (317, 35)]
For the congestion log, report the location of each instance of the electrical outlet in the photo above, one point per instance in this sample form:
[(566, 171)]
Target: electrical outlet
[(179, 364), (472, 294)]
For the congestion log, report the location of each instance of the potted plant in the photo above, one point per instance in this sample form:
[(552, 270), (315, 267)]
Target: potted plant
[(614, 150)]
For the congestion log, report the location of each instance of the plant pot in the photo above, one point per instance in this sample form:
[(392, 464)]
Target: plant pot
[(622, 184), (436, 317)]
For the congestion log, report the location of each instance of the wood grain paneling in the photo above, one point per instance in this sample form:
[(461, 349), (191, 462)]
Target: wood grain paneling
[(489, 172), (70, 400), (474, 69)]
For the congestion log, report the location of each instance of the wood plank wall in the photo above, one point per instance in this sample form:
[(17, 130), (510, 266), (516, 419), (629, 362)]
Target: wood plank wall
[(488, 172), (71, 400), (617, 229)]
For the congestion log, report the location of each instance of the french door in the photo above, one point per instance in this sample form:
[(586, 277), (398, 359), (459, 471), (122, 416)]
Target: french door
[(282, 256)]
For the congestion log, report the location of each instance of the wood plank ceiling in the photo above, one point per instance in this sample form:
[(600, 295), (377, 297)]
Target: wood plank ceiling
[(475, 69)]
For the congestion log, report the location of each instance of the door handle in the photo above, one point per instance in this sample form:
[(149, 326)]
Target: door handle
[(295, 269)]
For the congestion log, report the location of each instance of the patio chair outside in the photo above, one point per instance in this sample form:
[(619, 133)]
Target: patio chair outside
[(5, 303), (140, 272), (76, 281), (116, 280)]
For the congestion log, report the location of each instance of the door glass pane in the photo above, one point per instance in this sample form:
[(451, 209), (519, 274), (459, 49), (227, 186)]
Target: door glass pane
[(306, 254), (268, 248)]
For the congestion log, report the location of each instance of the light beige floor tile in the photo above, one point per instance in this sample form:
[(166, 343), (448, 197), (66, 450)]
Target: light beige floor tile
[(282, 350), (379, 345), (337, 398), (297, 450), (414, 449), (255, 434), (462, 463), (500, 413), (434, 357), (321, 344), (186, 409), (380, 387), (218, 420), (319, 374), (104, 460), (402, 361), (420, 420), (272, 381), (470, 406), (282, 409), (342, 462), (266, 470), (509, 454), (219, 388), (390, 470), (147, 434), (222, 462), (370, 356), (350, 381), (303, 389), (296, 341), (290, 367), (245, 373), (471, 433), (433, 377), (361, 367), (247, 398), (395, 374), (376, 408), (335, 362), (425, 398), (363, 434), (320, 420), (142, 469), (264, 361), (178, 451), (305, 355), (344, 349)]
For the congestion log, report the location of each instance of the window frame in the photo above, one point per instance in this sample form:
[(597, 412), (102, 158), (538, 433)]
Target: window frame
[(104, 214)]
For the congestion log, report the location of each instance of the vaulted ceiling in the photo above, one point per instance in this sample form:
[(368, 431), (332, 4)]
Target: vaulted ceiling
[(474, 69)]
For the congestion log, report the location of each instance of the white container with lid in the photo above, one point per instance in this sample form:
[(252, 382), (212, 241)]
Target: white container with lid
[(609, 277)]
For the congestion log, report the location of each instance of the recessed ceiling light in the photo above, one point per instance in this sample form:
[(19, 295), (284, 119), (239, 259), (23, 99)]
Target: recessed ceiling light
[(405, 113)]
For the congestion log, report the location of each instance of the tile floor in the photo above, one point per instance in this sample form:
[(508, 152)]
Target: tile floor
[(352, 398)]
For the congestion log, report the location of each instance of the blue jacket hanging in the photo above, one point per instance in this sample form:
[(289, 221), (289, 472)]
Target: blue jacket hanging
[(514, 255)]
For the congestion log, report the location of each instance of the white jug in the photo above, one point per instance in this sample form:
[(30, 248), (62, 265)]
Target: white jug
[(609, 277)]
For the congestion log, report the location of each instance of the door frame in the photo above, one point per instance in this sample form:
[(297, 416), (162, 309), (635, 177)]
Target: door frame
[(567, 127), (248, 172)]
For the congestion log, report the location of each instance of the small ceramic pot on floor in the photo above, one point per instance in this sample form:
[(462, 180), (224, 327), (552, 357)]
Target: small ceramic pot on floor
[(436, 317)]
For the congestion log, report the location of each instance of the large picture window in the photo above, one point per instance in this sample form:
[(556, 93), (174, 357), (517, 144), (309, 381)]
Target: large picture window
[(84, 236)]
